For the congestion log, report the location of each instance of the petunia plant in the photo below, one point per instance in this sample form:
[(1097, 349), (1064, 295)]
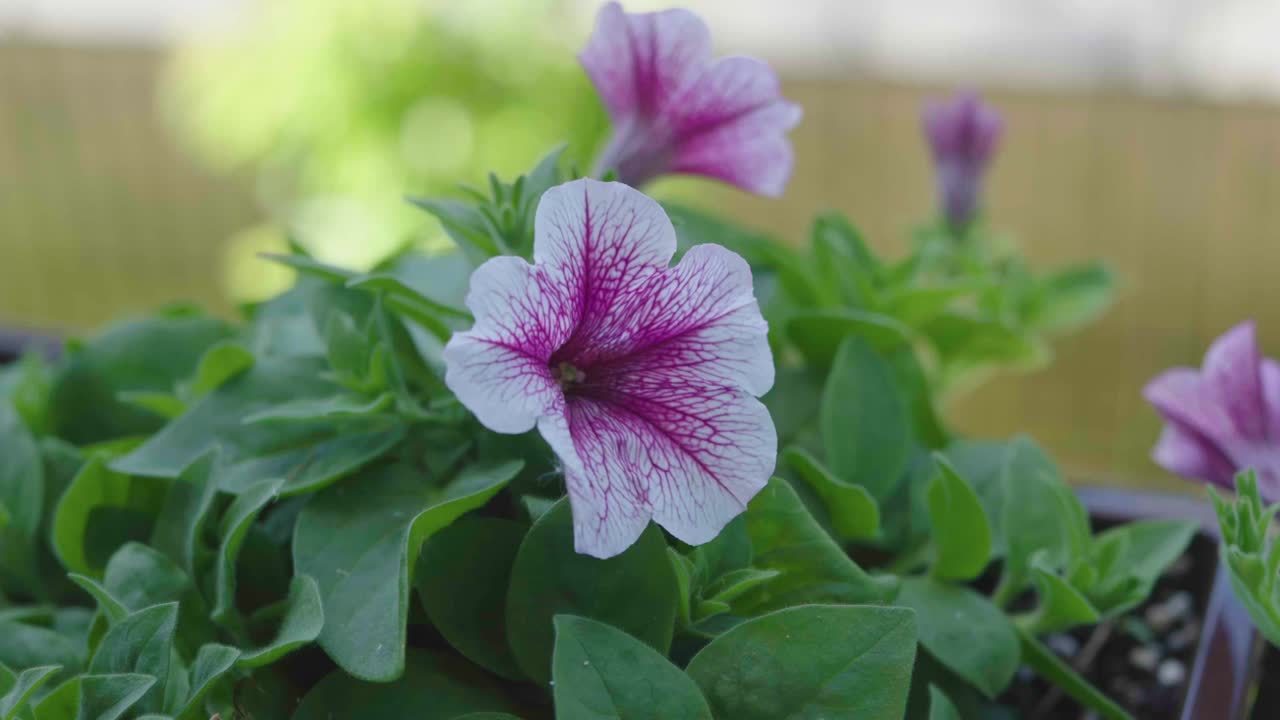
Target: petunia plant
[(607, 459), (1222, 428)]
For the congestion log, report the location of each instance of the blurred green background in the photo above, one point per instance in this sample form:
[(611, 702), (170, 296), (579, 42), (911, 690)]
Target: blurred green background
[(142, 169)]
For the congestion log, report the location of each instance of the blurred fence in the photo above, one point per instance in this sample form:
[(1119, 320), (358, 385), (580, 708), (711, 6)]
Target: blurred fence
[(101, 214)]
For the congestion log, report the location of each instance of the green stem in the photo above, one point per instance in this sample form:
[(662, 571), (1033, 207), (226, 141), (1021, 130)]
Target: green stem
[(911, 560), (1051, 668)]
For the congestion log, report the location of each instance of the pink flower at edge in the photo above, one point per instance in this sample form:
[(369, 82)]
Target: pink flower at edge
[(676, 110), (1223, 418), (642, 377)]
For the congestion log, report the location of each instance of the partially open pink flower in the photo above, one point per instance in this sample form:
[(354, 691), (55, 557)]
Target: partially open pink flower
[(642, 377), (1224, 417), (675, 110), (963, 133)]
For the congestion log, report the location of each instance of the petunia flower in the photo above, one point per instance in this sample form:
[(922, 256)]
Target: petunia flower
[(642, 377), (675, 110), (1224, 417), (963, 133)]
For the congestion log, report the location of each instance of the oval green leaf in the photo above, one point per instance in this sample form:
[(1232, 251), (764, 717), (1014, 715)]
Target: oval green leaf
[(830, 661), (360, 538), (601, 671), (635, 591), (461, 579)]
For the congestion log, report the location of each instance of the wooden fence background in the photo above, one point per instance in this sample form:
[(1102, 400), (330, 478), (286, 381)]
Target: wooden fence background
[(102, 214)]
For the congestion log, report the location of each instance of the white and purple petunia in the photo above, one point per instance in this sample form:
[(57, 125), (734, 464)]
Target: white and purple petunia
[(1224, 417), (963, 133), (676, 110), (641, 376)]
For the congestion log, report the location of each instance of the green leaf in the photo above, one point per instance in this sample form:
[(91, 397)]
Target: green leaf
[(920, 396), (819, 334), (27, 682), (964, 631), (212, 662), (181, 522), (220, 363), (109, 697), (733, 584), (62, 703), (1149, 547), (1152, 545), (634, 591), (141, 643), (940, 706), (21, 474), (235, 524), (600, 671), (464, 224), (27, 384), (337, 407), (981, 463), (1074, 297), (1032, 517), (793, 403), (854, 513), (843, 259), (723, 554), (865, 426), (150, 355), (359, 540), (1051, 668), (217, 419), (461, 579), (112, 609), (139, 577), (828, 661), (961, 534), (100, 511), (1061, 606), (302, 623), (314, 466), (968, 344), (813, 568), (433, 687), (27, 646), (166, 405), (917, 305)]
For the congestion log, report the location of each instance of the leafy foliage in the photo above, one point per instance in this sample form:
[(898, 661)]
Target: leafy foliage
[(1251, 557), (293, 516)]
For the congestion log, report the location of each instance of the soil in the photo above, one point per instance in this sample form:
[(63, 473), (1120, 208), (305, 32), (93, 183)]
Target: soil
[(1142, 660), (1267, 704)]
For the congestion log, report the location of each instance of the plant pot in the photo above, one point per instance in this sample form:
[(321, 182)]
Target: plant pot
[(13, 343), (1230, 652)]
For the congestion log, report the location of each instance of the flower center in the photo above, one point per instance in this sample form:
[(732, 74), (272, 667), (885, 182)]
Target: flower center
[(567, 375)]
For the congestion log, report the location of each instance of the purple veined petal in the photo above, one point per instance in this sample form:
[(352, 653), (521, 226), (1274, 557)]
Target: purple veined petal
[(691, 455), (499, 369), (699, 322), (1269, 371), (637, 60), (1182, 396), (1231, 374), (1185, 452), (611, 243), (604, 245), (751, 152)]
